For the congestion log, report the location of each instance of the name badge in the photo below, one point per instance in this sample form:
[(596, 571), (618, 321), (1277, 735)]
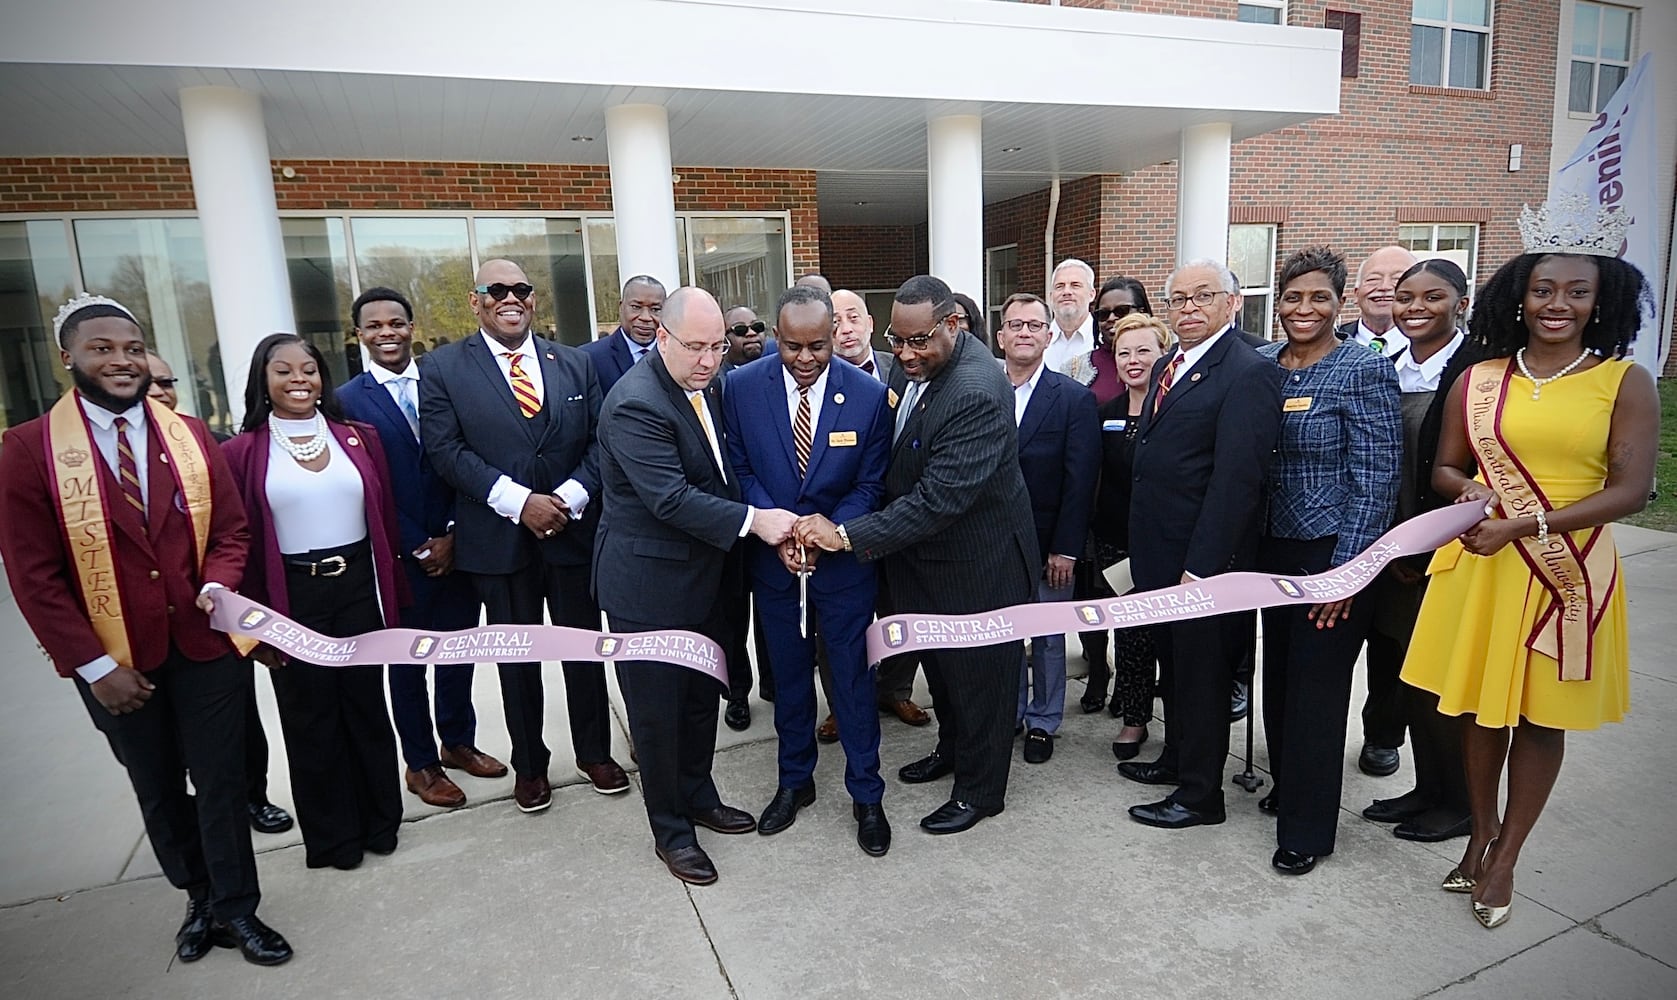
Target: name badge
[(1297, 404), (1114, 425), (841, 439), (891, 397)]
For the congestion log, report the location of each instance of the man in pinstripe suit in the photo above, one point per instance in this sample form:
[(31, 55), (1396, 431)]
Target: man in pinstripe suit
[(955, 537)]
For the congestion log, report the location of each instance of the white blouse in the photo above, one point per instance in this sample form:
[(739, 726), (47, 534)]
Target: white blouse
[(314, 510)]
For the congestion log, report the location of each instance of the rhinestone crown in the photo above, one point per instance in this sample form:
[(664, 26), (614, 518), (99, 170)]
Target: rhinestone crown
[(1572, 223)]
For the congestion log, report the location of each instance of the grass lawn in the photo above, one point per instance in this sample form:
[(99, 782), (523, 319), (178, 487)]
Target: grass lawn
[(1662, 512)]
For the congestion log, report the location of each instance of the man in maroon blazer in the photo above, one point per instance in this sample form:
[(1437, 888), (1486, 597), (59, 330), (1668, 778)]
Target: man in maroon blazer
[(118, 522)]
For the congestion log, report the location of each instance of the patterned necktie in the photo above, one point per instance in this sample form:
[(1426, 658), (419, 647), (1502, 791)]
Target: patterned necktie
[(404, 394), (1165, 381), (128, 470), (523, 389), (802, 437)]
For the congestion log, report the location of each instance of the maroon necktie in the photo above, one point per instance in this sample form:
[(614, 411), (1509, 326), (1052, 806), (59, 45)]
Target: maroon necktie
[(127, 470), (1165, 381), (802, 438)]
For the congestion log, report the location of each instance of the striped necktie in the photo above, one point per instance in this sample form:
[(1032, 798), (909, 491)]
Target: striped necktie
[(802, 436), (128, 470), (523, 389), (1165, 381)]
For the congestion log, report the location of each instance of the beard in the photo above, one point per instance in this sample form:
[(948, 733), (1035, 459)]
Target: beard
[(99, 396), (1070, 317)]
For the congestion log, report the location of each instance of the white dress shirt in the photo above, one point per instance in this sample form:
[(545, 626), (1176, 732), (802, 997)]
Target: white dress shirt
[(1394, 339), (1022, 394), (392, 382), (1423, 377), (506, 497), (817, 393), (1063, 347), (1192, 356)]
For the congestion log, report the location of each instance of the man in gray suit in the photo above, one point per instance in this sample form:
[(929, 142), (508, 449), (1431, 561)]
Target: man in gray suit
[(956, 537), (665, 557)]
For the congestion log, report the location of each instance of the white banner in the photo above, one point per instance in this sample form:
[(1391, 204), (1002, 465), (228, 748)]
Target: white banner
[(1616, 165)]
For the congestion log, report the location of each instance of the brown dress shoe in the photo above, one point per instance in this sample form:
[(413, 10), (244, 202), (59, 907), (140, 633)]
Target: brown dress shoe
[(690, 864), (606, 776), (473, 761), (533, 794), (725, 819), (435, 788), (907, 711), (827, 732)]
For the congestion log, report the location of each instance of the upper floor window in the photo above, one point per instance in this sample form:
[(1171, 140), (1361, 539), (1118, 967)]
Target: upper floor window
[(1262, 11), (1601, 49), (1454, 241), (1450, 44)]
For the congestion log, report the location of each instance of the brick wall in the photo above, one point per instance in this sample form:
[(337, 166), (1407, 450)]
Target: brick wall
[(873, 257)]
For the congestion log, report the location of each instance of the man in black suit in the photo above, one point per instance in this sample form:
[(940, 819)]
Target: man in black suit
[(665, 557), (1207, 435), (508, 419), (956, 538), (638, 313)]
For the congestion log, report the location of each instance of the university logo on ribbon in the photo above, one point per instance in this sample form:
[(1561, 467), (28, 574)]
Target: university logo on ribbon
[(1090, 614), (423, 646), (1286, 586), (253, 618), (606, 646), (895, 635)]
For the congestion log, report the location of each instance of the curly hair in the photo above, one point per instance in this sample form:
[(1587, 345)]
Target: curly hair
[(1306, 260), (1622, 295)]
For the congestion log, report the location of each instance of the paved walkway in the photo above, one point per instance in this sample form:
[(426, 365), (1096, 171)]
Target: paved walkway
[(1061, 896)]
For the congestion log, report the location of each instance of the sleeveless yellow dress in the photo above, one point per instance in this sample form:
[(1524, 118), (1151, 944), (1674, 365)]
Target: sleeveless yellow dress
[(1469, 641)]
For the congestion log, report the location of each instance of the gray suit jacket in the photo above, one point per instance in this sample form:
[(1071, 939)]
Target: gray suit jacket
[(669, 516), (955, 534)]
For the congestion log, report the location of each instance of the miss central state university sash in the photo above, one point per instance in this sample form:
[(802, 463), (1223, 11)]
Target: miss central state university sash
[(1579, 568), (84, 511)]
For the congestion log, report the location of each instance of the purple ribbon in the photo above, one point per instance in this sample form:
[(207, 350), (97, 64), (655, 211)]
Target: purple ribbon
[(1215, 595)]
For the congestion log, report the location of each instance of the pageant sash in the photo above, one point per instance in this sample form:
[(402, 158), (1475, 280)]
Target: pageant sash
[(83, 511), (1579, 577), (245, 619), (1215, 595)]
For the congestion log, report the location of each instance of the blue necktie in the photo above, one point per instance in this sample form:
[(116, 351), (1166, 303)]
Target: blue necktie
[(410, 409)]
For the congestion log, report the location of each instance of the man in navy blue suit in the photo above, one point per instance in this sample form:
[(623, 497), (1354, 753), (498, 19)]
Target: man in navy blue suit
[(639, 312), (387, 397), (1060, 456), (813, 437)]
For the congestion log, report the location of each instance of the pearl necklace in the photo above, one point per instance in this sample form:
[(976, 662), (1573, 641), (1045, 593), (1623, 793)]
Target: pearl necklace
[(1537, 384), (307, 451)]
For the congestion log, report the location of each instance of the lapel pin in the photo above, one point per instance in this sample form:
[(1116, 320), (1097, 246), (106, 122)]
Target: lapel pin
[(838, 397), (353, 442), (550, 356), (1195, 377)]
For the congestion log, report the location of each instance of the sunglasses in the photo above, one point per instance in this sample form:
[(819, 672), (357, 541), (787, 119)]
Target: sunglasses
[(739, 329), (499, 290), (167, 383), (1116, 312)]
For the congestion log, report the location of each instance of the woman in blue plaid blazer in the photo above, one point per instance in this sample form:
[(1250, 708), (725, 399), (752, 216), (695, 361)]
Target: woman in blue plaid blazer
[(1332, 490)]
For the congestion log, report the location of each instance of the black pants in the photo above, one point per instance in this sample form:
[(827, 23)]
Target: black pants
[(672, 721), (193, 724), (1307, 695), (1440, 777), (742, 616), (1386, 709), (337, 729), (517, 599), (976, 697), (1195, 675)]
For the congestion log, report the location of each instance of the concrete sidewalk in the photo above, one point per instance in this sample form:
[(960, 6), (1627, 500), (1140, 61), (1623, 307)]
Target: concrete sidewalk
[(1061, 896)]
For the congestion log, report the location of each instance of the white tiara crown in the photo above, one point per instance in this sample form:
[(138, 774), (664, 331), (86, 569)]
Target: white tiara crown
[(1572, 223), (81, 302)]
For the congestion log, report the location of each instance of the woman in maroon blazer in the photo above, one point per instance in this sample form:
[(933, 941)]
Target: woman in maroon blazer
[(323, 551)]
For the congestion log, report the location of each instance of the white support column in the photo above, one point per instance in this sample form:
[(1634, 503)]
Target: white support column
[(233, 184), (643, 192), (955, 202), (1202, 193)]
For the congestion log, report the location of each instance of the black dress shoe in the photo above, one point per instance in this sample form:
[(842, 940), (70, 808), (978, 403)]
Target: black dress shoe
[(954, 816), (1039, 746), (265, 817), (782, 810), (1169, 814), (725, 819), (1270, 804), (1406, 806), (1435, 825), (928, 768), (194, 940), (1292, 862), (1092, 702), (1240, 701), (873, 831), (690, 864), (256, 941), (1377, 762), (738, 714), (1148, 772)]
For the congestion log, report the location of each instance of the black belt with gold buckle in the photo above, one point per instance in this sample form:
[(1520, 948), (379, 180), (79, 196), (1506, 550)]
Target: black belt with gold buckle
[(330, 566)]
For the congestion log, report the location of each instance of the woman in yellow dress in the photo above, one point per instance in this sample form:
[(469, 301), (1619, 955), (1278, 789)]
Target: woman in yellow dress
[(1562, 429)]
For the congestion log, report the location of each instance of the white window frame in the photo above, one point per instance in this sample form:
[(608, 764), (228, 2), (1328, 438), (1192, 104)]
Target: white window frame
[(1278, 5), (1266, 288), (1450, 27), (1596, 61), (993, 296), (1431, 250)]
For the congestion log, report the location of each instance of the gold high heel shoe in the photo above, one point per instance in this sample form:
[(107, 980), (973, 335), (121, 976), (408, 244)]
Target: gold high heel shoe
[(1492, 917), (1457, 882)]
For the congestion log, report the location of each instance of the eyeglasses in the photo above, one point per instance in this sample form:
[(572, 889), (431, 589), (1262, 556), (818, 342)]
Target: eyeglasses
[(898, 343), (499, 290), (1116, 312), (167, 383), (739, 329), (1201, 298), (1033, 325), (702, 349)]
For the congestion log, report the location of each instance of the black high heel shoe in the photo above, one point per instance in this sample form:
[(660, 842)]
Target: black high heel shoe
[(1092, 702)]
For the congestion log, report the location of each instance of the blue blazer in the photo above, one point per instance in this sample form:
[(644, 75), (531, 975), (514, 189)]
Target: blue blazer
[(844, 480), (1060, 455), (611, 358)]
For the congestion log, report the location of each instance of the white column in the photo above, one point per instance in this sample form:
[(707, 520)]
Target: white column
[(233, 184), (642, 192), (955, 202), (1202, 193)]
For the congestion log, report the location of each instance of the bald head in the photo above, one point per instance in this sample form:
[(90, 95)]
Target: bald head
[(1377, 279), (505, 317), (691, 338), (852, 327), (817, 281)]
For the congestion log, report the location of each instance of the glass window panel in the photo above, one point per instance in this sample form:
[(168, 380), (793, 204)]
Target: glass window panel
[(1471, 12), (1586, 28), (550, 252), (156, 267), (427, 260), (1426, 55), (1611, 78), (1431, 10), (1578, 88), (1253, 14), (602, 269), (741, 261), (1251, 254), (1001, 279), (1467, 59), (317, 263), (36, 277), (1255, 315), (1615, 33)]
